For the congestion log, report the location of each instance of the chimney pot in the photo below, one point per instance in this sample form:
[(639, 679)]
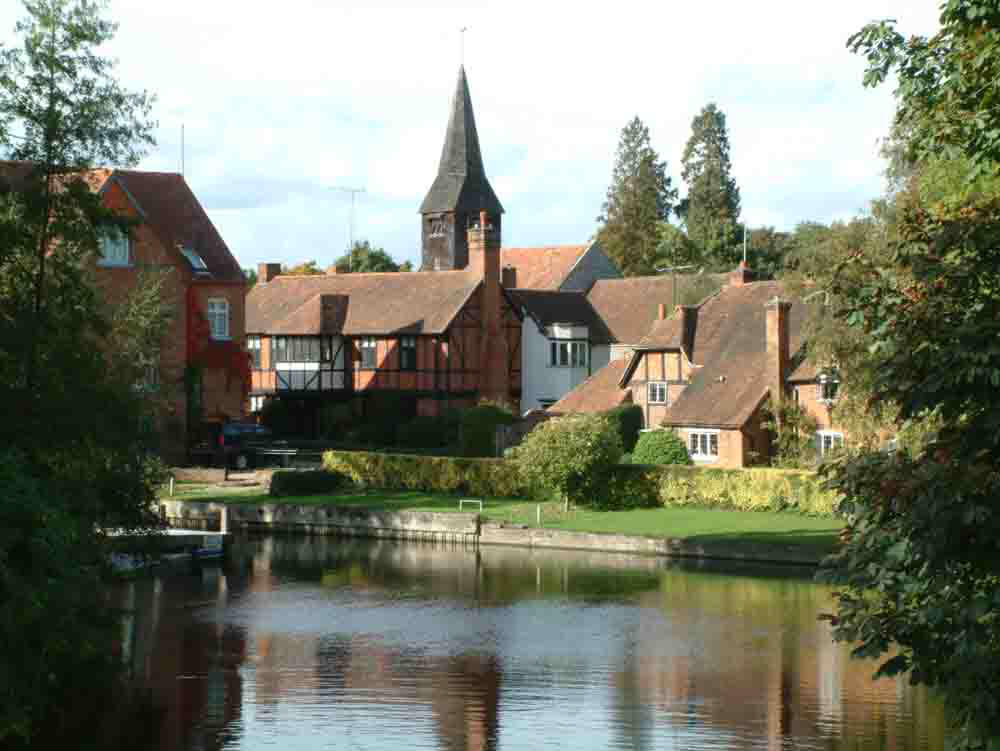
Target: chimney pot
[(267, 271), (508, 277), (741, 275), (661, 311)]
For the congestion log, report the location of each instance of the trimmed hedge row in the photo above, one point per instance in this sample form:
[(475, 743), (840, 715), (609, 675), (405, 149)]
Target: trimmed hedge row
[(313, 482), (628, 486), (434, 474)]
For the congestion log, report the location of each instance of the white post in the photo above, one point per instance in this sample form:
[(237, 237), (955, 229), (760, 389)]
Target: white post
[(538, 514), (171, 486), (224, 520)]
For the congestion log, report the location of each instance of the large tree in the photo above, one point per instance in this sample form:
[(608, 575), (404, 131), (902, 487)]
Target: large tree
[(919, 574), (72, 444), (639, 199), (711, 209), (365, 258)]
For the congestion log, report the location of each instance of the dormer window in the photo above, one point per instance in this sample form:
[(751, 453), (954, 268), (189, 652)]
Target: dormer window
[(196, 261), (217, 312), (114, 246)]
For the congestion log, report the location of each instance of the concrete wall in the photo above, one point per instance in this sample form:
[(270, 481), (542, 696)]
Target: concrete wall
[(594, 264)]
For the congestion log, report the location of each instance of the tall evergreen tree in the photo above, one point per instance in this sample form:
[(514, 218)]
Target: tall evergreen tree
[(711, 209), (639, 199)]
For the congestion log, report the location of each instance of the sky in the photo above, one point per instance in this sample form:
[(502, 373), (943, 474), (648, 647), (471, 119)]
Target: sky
[(284, 104)]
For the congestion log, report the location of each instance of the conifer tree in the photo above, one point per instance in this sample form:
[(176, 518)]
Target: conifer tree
[(639, 199), (711, 209)]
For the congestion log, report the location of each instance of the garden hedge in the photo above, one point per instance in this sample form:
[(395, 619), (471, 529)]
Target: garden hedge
[(315, 482), (628, 485)]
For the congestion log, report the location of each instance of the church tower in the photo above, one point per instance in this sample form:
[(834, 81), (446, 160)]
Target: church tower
[(460, 192)]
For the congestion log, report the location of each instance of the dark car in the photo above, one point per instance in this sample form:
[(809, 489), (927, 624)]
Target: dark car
[(233, 444)]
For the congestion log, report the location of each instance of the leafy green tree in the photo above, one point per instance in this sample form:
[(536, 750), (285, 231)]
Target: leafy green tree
[(948, 84), (711, 209), (660, 447), (306, 268), (675, 248), (570, 457), (74, 458), (639, 200), (251, 277), (363, 258)]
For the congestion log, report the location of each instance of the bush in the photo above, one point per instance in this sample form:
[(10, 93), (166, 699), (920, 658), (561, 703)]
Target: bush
[(425, 433), (495, 478), (570, 457), (479, 426), (277, 417), (628, 420), (660, 447), (315, 482), (334, 418)]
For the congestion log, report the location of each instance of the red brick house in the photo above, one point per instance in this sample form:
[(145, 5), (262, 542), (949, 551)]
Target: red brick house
[(710, 371), (445, 336)]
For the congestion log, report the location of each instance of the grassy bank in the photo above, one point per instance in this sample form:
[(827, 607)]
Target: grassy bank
[(818, 534)]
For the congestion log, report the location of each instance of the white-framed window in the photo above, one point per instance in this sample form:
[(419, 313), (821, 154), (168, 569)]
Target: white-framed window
[(656, 392), (703, 445), (114, 246), (828, 440), (149, 379), (253, 347), (367, 348), (217, 312), (829, 384), (568, 354), (256, 403), (408, 353)]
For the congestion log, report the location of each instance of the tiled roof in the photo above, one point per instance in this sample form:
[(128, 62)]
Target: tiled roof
[(419, 302), (544, 267), (598, 393), (730, 356), (177, 218), (547, 307), (630, 306), (461, 184)]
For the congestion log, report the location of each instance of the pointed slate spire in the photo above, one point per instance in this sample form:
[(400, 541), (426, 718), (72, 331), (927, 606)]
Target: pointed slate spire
[(461, 184)]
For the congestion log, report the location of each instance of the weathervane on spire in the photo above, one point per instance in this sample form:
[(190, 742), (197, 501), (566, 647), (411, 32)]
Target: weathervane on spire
[(461, 44)]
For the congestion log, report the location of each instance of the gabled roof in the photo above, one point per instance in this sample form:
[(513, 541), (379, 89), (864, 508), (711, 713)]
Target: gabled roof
[(547, 307), (178, 219), (598, 393), (629, 306), (419, 302), (461, 183), (730, 355), (544, 267)]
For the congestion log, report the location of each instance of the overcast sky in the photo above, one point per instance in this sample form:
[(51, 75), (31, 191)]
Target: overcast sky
[(284, 102)]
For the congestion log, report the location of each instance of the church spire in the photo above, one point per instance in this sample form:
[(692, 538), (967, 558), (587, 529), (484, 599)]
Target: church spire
[(461, 183)]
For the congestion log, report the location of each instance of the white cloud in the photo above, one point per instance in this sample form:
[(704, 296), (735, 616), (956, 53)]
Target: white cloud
[(280, 103)]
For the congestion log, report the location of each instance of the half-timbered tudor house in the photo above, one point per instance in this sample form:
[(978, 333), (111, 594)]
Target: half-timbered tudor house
[(445, 336)]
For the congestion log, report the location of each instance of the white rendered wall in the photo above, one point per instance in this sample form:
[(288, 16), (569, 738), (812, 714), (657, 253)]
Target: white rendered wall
[(540, 381)]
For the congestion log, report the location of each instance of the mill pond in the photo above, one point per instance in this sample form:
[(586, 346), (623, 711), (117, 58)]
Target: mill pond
[(309, 643)]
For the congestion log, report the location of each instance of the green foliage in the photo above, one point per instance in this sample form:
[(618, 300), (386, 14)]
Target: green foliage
[(948, 84), (334, 419), (639, 200), (306, 268), (291, 482), (479, 427), (660, 447), (794, 436), (570, 457), (427, 432), (364, 258), (278, 417), (494, 478), (711, 208), (627, 420), (675, 248), (924, 525)]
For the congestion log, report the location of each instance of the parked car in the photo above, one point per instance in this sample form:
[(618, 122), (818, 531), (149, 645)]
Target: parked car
[(232, 444)]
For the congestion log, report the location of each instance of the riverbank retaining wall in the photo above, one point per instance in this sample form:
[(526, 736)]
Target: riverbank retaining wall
[(464, 528)]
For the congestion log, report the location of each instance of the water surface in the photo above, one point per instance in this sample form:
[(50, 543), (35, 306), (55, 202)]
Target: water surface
[(319, 643)]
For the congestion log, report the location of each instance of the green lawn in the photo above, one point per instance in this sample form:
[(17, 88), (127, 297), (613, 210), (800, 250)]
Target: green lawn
[(696, 524)]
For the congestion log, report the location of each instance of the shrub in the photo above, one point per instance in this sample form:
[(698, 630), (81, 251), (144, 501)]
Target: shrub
[(278, 417), (570, 457), (314, 482), (334, 418), (479, 426), (660, 447), (495, 478), (628, 420), (425, 432)]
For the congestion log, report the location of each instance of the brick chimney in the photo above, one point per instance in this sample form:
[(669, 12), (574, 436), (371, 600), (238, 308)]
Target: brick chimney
[(776, 333), (508, 277), (740, 275), (484, 247), (689, 324), (267, 271)]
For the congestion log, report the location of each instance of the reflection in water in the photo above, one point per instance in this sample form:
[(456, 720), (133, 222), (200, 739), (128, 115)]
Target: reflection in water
[(326, 643)]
